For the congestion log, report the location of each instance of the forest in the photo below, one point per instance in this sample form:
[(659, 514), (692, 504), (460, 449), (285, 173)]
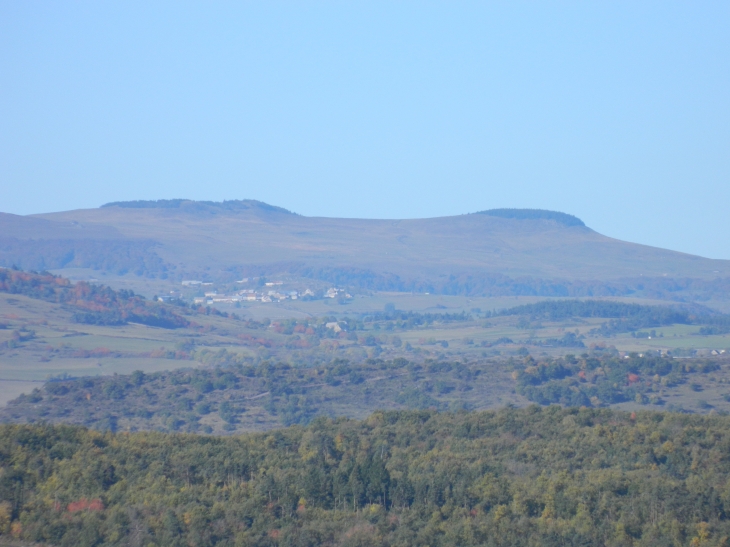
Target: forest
[(650, 315), (595, 381), (529, 477), (116, 256), (623, 317)]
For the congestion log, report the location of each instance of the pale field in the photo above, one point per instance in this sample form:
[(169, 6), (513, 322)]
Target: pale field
[(57, 338), (51, 351)]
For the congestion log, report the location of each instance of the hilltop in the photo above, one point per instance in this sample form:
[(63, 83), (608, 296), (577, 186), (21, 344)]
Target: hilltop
[(236, 205), (535, 214), (494, 252)]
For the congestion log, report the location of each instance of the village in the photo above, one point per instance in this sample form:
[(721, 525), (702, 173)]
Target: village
[(271, 291)]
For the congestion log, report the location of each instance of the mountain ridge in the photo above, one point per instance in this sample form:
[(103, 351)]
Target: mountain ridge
[(534, 214), (499, 251), (235, 205)]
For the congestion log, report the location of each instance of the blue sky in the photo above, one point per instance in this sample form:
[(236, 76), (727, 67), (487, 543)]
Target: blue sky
[(617, 112)]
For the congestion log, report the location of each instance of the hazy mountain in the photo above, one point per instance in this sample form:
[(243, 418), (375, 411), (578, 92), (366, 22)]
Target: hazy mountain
[(505, 251)]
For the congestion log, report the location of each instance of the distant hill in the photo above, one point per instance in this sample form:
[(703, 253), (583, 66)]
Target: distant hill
[(535, 214), (236, 205), (494, 252)]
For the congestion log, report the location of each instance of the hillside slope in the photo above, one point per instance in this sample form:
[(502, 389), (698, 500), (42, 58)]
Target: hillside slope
[(250, 238)]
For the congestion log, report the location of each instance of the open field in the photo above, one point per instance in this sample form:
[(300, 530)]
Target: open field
[(364, 300), (55, 346)]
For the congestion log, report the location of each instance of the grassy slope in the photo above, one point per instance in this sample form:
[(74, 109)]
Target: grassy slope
[(57, 337), (420, 247)]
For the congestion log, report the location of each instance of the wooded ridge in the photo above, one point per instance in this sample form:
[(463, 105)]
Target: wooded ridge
[(530, 477)]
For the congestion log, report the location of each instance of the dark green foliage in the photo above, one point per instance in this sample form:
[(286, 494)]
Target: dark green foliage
[(227, 412), (110, 318), (561, 393), (719, 324), (411, 319), (288, 395), (137, 378), (623, 317), (601, 381), (202, 408), (566, 309), (530, 477), (417, 399), (274, 393), (117, 256), (295, 409), (707, 331), (568, 340)]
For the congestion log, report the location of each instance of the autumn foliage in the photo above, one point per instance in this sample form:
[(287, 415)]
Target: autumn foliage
[(85, 505), (91, 303)]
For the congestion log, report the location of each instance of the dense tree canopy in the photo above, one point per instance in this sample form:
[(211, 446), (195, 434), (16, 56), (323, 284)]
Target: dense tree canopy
[(513, 477)]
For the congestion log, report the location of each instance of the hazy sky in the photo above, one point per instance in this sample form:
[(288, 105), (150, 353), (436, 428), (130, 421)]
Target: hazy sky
[(617, 112)]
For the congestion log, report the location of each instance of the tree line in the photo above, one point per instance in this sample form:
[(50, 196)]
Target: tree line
[(622, 317)]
